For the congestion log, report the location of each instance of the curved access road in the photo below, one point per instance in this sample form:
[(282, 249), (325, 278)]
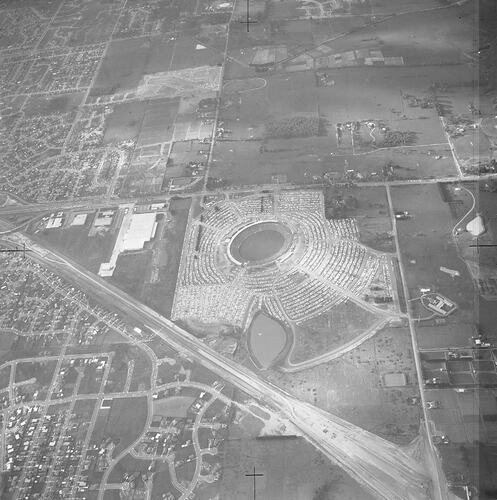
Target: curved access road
[(383, 468), (335, 353)]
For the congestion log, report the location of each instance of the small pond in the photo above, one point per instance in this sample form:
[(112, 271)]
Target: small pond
[(267, 338)]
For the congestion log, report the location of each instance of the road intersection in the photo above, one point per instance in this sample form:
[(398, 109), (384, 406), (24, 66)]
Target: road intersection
[(385, 469)]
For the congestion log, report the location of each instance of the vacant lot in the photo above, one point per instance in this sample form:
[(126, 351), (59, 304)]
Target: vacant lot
[(440, 36), (409, 162), (251, 162), (306, 160), (126, 421), (337, 386), (426, 245), (74, 242), (41, 371), (358, 94), (127, 61), (160, 295), (127, 464), (144, 121), (275, 96), (373, 93), (130, 273), (162, 481), (451, 334), (330, 330), (369, 208), (176, 406), (385, 7), (4, 377), (292, 470), (43, 105), (488, 207)]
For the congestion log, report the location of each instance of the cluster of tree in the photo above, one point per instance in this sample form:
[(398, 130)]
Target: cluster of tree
[(388, 170), (482, 167), (295, 126), (490, 185), (394, 138), (424, 102), (338, 206), (216, 183)]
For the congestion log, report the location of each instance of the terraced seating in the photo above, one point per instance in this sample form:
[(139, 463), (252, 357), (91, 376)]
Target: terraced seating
[(267, 205), (250, 206), (221, 216), (326, 257), (211, 304), (205, 271), (261, 282), (298, 202), (366, 275), (200, 265), (273, 308), (306, 299), (289, 282), (316, 257), (344, 228)]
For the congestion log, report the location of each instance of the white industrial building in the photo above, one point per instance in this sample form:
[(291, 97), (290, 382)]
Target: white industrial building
[(141, 230), (135, 231)]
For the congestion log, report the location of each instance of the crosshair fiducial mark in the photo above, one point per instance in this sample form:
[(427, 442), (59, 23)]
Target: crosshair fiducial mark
[(247, 21), (254, 475), (14, 250), (479, 245)]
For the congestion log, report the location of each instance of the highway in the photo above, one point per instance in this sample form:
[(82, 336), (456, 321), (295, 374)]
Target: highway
[(441, 490), (88, 204), (383, 468)]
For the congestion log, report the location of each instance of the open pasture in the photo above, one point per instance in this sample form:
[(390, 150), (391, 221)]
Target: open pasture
[(127, 61)]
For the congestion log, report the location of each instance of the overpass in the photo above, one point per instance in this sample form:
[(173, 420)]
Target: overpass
[(93, 203), (383, 468)]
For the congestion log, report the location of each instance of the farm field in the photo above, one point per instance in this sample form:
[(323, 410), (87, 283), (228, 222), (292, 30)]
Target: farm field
[(274, 96), (277, 483), (412, 36), (426, 245), (243, 163), (329, 331), (44, 105), (374, 93), (143, 121), (357, 94), (127, 61), (487, 205), (236, 238), (359, 376), (372, 216)]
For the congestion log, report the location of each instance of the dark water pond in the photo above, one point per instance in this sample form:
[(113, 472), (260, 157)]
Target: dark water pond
[(267, 338)]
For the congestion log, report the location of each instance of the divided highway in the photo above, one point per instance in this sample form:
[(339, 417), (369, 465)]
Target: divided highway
[(383, 468)]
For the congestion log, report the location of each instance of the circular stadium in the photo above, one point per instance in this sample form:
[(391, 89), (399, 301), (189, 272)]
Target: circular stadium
[(270, 252), (259, 243)]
